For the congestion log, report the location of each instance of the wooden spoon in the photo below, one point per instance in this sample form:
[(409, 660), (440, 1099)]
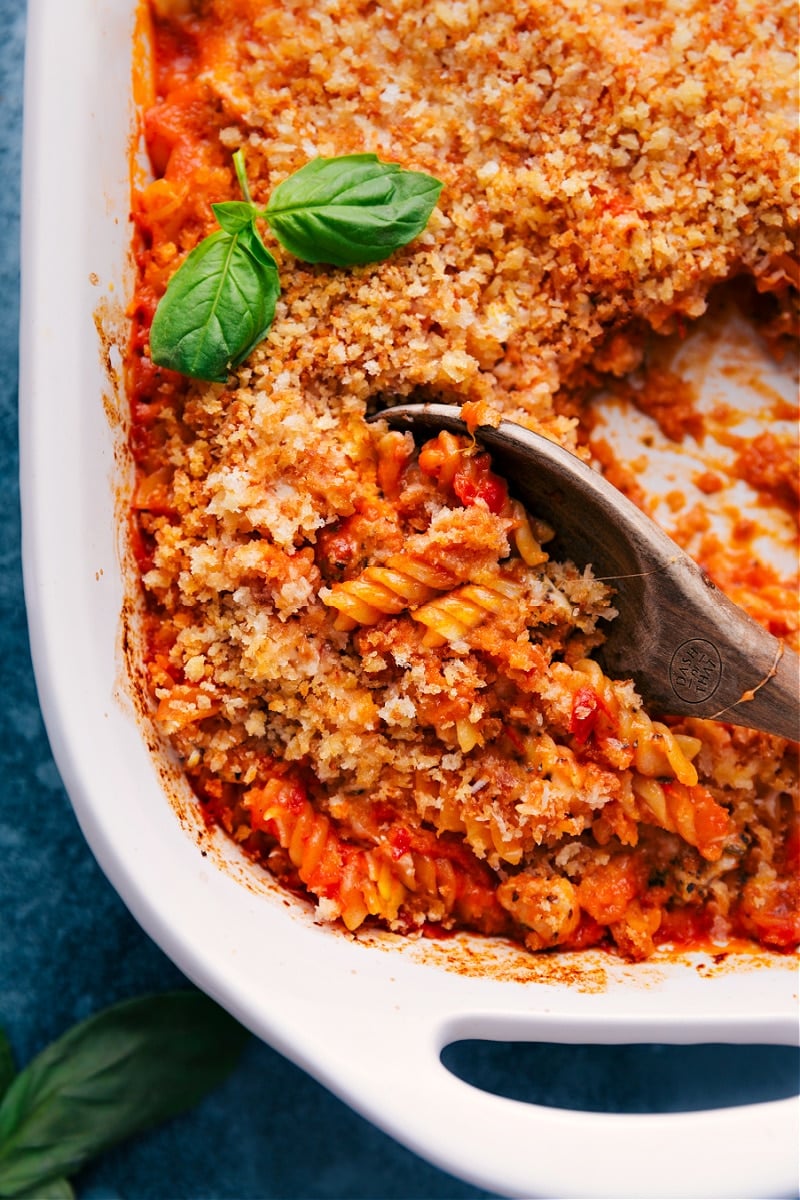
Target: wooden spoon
[(689, 650)]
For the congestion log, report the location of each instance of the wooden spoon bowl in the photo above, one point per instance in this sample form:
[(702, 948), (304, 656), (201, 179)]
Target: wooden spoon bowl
[(689, 650)]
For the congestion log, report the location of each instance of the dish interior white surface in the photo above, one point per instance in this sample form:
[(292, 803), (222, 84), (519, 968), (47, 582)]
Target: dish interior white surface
[(367, 1017)]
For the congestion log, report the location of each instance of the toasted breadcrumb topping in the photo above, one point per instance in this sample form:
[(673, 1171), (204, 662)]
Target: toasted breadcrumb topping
[(604, 165)]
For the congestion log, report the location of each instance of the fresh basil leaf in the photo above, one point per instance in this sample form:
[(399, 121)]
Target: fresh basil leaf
[(218, 305), (7, 1066), (252, 243), (119, 1072), (363, 178), (234, 215), (350, 210)]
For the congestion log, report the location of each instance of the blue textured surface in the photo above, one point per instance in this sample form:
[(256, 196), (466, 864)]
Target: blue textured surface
[(68, 947)]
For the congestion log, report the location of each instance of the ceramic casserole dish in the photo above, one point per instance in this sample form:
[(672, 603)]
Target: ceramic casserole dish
[(368, 1017)]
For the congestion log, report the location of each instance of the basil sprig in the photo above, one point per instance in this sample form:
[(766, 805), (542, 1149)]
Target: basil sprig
[(345, 211), (352, 210), (113, 1075), (221, 301)]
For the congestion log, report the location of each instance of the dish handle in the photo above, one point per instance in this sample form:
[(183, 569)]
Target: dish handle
[(519, 1149)]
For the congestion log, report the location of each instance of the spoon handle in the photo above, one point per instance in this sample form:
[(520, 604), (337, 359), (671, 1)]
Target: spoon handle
[(689, 649), (772, 705), (692, 652)]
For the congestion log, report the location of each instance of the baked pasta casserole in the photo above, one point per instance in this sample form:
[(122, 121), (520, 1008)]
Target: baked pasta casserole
[(378, 680)]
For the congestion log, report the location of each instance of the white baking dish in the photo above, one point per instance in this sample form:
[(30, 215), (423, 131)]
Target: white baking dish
[(367, 1017)]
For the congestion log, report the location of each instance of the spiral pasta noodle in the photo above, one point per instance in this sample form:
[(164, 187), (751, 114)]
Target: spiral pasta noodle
[(385, 591), (450, 617), (692, 812), (527, 540), (603, 709), (359, 883)]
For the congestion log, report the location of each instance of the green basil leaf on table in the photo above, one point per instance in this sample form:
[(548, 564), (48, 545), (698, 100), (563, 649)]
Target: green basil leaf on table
[(53, 1189), (218, 305), (351, 210), (7, 1066), (113, 1075)]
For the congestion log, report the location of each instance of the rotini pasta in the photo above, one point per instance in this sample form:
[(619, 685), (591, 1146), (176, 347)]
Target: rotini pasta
[(692, 812), (385, 591), (354, 883), (380, 675), (558, 760), (606, 712), (450, 617)]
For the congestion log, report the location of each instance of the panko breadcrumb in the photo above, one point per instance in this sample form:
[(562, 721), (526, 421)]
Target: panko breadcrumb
[(456, 758)]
